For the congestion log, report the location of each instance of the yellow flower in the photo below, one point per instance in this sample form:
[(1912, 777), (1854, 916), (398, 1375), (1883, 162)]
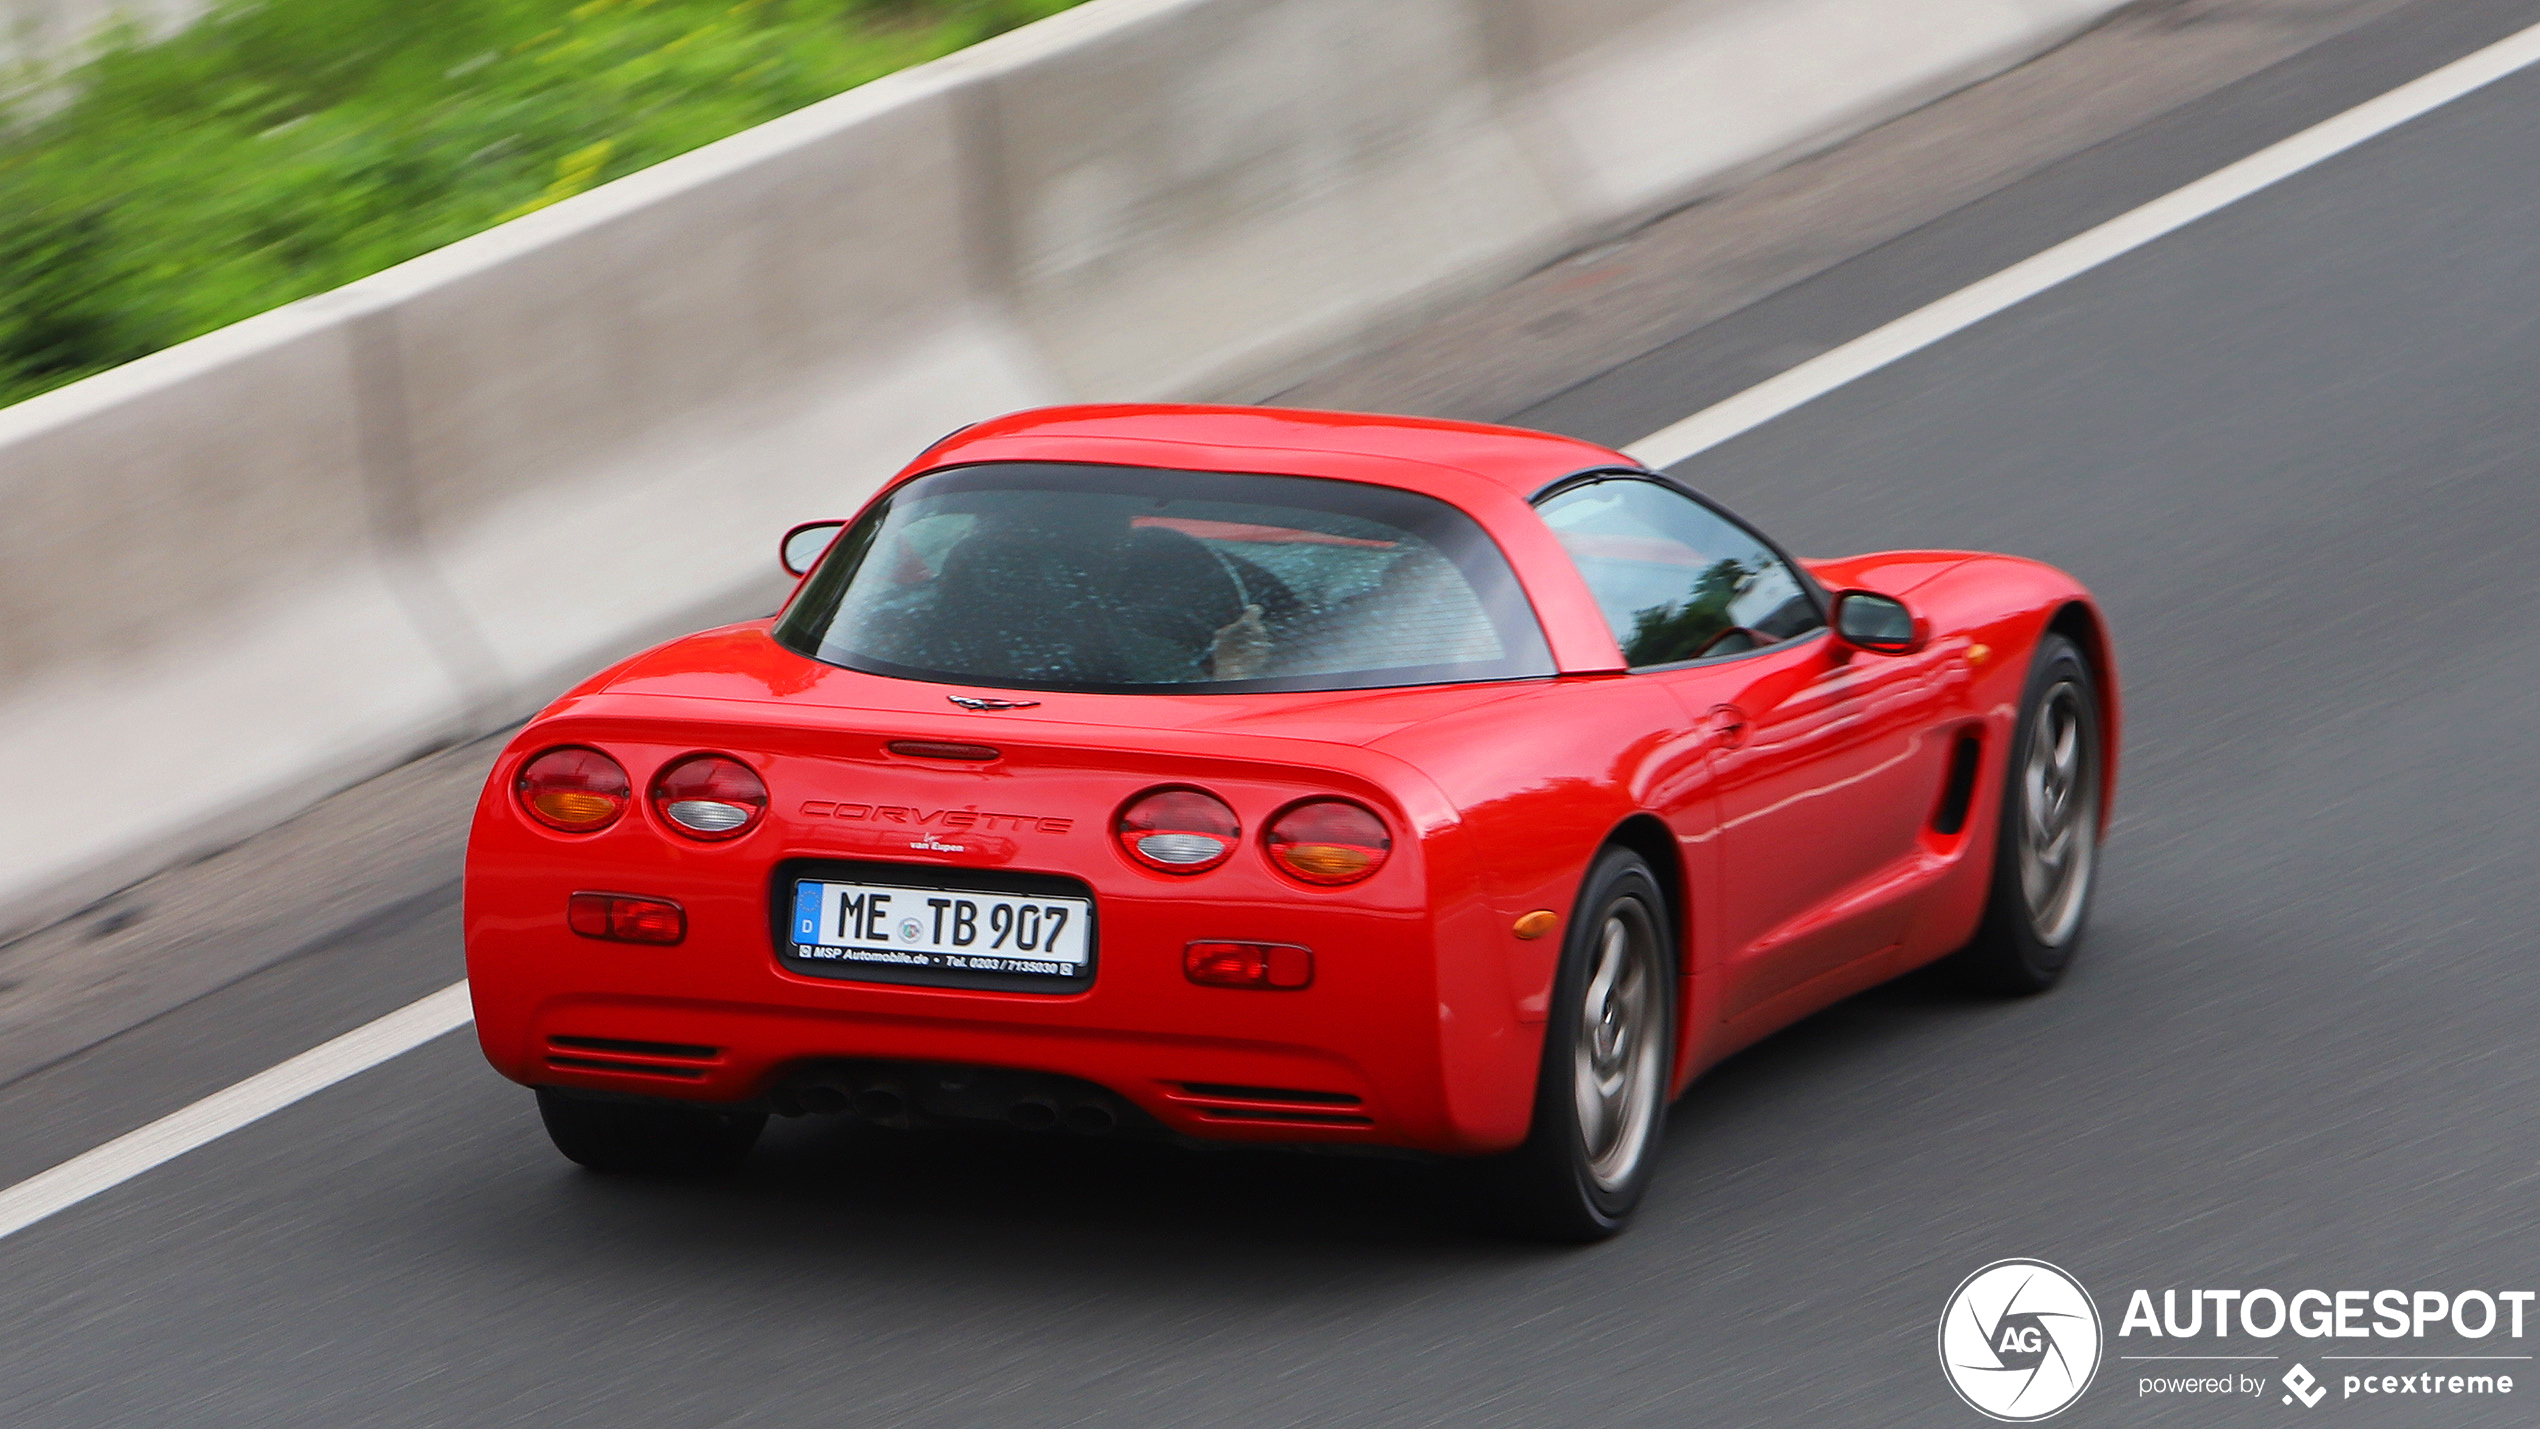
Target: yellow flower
[(574, 173)]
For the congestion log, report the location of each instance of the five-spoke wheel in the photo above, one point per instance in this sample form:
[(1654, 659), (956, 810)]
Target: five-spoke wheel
[(2047, 851), (1601, 1101)]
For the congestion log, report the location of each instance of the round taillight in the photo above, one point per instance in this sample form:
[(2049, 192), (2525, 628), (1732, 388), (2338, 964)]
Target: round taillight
[(707, 796), (1178, 830), (574, 791), (1328, 842)]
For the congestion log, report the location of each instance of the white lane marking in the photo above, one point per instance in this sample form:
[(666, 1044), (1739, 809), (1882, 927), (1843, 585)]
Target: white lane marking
[(2123, 234), (363, 1048), (225, 1111)]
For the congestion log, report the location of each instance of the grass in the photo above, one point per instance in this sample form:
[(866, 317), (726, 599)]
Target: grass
[(282, 148)]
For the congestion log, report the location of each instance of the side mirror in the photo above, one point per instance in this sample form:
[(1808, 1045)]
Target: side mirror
[(804, 544), (1880, 624)]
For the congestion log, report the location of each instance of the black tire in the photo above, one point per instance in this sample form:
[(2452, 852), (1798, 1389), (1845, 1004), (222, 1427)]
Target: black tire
[(648, 1138), (1588, 1157), (2038, 906)]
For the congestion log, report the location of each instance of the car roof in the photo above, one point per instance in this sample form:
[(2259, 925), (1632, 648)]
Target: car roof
[(1394, 451)]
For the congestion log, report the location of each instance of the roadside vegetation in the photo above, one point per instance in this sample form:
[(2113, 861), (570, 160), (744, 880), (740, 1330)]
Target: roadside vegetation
[(281, 148)]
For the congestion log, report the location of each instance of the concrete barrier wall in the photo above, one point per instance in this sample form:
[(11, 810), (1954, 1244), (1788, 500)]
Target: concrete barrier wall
[(243, 573), (1659, 98), (686, 366), (1191, 199), (53, 33)]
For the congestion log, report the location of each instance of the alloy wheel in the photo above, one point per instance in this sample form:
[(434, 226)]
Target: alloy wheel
[(1619, 1057), (2058, 835)]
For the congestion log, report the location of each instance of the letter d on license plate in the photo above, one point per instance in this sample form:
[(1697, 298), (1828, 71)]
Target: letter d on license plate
[(881, 926)]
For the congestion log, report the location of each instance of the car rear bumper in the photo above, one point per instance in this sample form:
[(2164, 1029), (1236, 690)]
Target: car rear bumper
[(1369, 1054), (1219, 1088)]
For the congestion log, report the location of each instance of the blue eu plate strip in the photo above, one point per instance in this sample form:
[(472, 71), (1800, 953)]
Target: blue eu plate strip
[(806, 912)]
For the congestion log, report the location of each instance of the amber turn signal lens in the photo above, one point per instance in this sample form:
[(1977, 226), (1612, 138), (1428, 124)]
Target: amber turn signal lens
[(574, 791), (1328, 842), (1283, 967), (1178, 831), (710, 797), (624, 918)]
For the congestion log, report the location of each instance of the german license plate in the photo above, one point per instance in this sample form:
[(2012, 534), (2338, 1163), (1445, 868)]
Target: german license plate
[(880, 925)]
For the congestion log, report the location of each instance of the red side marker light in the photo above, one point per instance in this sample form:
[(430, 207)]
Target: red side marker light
[(1178, 831), (624, 918), (1328, 842), (574, 791), (1281, 966), (710, 797)]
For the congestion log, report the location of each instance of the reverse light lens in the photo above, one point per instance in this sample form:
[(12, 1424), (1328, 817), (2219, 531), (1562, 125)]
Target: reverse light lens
[(574, 791), (624, 918), (1328, 842), (1282, 967), (707, 796), (1178, 831)]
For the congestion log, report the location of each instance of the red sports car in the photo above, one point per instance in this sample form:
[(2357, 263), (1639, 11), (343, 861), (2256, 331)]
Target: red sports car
[(1279, 776)]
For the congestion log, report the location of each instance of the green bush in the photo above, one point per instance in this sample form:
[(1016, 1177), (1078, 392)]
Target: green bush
[(282, 148)]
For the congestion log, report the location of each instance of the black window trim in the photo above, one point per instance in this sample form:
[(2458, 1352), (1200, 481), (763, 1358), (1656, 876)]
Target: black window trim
[(1808, 583)]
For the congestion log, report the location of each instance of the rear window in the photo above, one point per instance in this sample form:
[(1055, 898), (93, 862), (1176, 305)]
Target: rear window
[(1064, 577)]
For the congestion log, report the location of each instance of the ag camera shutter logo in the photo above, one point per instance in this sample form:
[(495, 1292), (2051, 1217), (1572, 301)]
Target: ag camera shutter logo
[(2019, 1341)]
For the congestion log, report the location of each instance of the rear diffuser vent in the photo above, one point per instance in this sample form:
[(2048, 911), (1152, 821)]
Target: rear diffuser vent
[(619, 1056), (1281, 1117), (1275, 1106), (1221, 1091)]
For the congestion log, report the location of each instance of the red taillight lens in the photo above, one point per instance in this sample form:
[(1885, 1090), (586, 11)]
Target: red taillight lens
[(1178, 830), (1328, 842), (707, 796), (1283, 966), (577, 791), (624, 918)]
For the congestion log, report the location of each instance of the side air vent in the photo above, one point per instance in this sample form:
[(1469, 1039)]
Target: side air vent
[(1958, 791)]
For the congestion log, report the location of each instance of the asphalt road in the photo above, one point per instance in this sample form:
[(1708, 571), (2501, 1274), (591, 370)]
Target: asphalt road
[(2293, 449)]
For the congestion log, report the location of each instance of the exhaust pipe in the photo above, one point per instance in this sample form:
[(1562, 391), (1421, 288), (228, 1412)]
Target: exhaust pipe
[(826, 1101), (1091, 1119), (1034, 1115), (882, 1104)]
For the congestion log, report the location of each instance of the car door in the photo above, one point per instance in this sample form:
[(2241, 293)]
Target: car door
[(1827, 771), (1821, 757)]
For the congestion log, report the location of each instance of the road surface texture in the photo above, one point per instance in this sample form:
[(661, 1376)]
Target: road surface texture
[(2294, 449)]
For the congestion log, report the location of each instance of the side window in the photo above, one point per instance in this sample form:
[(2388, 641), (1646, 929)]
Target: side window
[(1676, 580)]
